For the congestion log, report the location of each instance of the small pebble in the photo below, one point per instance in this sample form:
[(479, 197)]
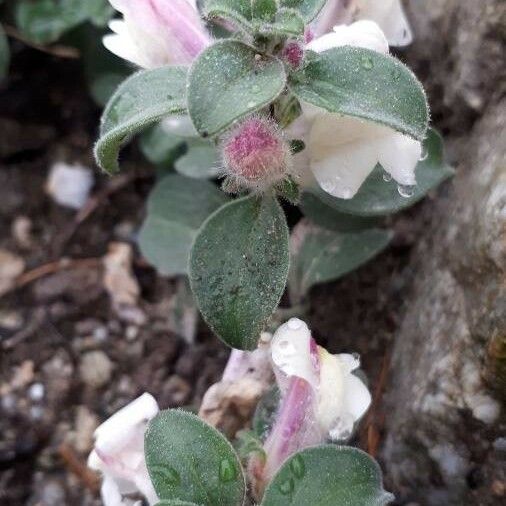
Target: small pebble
[(95, 369)]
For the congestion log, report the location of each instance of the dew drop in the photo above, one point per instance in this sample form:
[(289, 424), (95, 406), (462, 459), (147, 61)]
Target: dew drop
[(387, 177), (294, 324), (298, 467), (367, 62), (251, 104), (286, 487), (405, 191), (228, 471), (167, 474)]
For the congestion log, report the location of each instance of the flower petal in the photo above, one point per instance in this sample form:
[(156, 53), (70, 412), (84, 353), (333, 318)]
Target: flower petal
[(399, 155), (118, 430), (357, 398), (366, 34), (291, 351)]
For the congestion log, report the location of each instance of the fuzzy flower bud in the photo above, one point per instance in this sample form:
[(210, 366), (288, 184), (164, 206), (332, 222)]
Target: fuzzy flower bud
[(293, 54), (255, 154)]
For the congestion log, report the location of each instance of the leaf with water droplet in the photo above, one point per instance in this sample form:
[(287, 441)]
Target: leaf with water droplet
[(138, 103), (359, 82), (378, 197), (333, 476), (238, 268), (230, 80), (191, 461), (319, 255), (308, 9)]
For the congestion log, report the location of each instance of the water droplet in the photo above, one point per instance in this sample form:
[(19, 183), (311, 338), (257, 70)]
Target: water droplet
[(294, 324), (167, 474), (405, 191), (251, 104), (255, 88), (387, 177), (286, 487), (367, 62), (228, 470), (425, 154), (298, 467)]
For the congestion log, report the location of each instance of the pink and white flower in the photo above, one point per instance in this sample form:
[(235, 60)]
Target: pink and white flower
[(321, 398), (341, 151), (154, 33), (119, 453), (388, 14)]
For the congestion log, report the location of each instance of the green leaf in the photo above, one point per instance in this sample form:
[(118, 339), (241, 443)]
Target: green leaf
[(161, 147), (201, 161), (264, 10), (289, 190), (142, 100), (228, 81), (288, 22), (328, 476), (327, 217), (238, 268), (365, 84), (191, 461), (176, 209), (309, 9), (320, 255), (237, 11), (378, 197), (45, 21), (4, 54)]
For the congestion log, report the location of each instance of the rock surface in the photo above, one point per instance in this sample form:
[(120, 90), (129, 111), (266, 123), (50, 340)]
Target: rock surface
[(447, 374)]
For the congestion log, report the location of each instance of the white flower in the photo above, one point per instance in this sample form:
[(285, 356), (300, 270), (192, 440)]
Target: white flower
[(388, 14), (154, 33), (342, 151), (321, 398), (119, 452)]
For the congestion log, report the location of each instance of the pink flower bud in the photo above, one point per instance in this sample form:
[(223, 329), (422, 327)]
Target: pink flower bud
[(154, 33), (293, 54), (255, 153)]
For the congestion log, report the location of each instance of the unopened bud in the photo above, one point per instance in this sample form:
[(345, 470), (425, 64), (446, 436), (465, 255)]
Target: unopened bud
[(255, 153), (293, 54)]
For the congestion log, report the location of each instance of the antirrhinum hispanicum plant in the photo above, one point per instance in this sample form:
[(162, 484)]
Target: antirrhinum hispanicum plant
[(254, 103)]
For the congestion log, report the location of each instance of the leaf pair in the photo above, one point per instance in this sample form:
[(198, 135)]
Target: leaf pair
[(191, 463)]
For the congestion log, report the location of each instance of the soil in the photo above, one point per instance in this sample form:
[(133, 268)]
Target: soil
[(68, 360)]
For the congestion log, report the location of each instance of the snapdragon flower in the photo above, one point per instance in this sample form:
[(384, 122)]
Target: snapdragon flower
[(119, 453), (321, 399), (341, 151), (388, 14), (154, 33)]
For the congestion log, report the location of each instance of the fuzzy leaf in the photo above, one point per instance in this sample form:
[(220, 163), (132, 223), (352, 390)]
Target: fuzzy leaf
[(328, 476), (161, 147), (239, 12), (308, 9), (287, 22), (264, 10), (238, 268), (365, 84), (176, 209), (327, 217), (140, 101), (201, 161), (320, 255), (191, 461), (378, 197), (228, 81)]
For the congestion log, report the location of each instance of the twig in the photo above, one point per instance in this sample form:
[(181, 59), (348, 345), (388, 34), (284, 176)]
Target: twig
[(77, 467), (55, 50), (371, 432)]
